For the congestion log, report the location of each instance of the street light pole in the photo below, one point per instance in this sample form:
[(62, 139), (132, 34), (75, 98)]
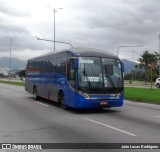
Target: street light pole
[(127, 46), (54, 41), (54, 12), (159, 42), (159, 53), (11, 41)]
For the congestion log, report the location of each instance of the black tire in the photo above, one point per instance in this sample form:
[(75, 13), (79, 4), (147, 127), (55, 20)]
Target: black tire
[(35, 95), (158, 85), (61, 101)]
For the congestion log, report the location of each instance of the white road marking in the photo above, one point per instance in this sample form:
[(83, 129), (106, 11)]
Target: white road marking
[(111, 127), (157, 116), (42, 104)]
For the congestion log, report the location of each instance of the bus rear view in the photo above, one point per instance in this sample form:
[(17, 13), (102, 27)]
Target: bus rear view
[(90, 79)]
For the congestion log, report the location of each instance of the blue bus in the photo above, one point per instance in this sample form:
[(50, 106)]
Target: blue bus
[(77, 77)]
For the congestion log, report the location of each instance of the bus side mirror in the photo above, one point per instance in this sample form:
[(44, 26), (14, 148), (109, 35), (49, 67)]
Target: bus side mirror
[(74, 62), (122, 66)]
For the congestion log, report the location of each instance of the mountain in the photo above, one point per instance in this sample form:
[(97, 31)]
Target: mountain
[(15, 63), (128, 65), (20, 64)]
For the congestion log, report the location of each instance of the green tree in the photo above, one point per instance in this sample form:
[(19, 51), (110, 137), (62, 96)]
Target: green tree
[(138, 70), (21, 73), (149, 62)]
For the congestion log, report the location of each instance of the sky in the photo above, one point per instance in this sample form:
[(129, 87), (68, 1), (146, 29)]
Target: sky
[(103, 24)]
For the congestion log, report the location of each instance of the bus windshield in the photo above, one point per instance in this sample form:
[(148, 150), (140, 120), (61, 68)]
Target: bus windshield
[(99, 73)]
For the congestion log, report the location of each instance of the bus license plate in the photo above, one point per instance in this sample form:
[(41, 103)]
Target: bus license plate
[(103, 103)]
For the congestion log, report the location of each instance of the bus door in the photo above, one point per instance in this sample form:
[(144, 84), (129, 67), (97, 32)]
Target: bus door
[(72, 79)]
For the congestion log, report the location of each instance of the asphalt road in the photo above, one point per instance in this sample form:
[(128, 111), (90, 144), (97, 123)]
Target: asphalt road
[(24, 120)]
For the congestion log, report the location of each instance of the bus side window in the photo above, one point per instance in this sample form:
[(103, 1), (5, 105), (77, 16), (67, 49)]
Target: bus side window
[(71, 75)]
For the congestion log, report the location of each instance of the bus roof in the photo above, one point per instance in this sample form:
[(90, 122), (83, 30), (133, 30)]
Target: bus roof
[(83, 51)]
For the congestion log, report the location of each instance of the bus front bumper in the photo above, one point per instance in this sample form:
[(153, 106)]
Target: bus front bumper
[(99, 101)]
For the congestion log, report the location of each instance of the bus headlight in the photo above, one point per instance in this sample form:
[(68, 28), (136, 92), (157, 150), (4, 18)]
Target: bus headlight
[(118, 95), (85, 95)]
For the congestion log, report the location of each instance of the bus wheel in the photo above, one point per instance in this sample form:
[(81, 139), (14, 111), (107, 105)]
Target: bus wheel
[(61, 101), (35, 96)]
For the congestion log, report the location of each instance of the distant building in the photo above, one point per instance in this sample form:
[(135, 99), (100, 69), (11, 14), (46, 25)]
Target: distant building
[(4, 71)]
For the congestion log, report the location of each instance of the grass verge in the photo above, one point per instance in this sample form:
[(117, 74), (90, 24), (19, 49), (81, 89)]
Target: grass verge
[(12, 83), (135, 94), (143, 95)]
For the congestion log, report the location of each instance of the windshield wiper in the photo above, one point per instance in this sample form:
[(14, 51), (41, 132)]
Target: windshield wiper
[(85, 74), (109, 78)]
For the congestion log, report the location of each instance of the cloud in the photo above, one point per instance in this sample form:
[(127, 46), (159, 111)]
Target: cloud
[(7, 9), (93, 23)]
